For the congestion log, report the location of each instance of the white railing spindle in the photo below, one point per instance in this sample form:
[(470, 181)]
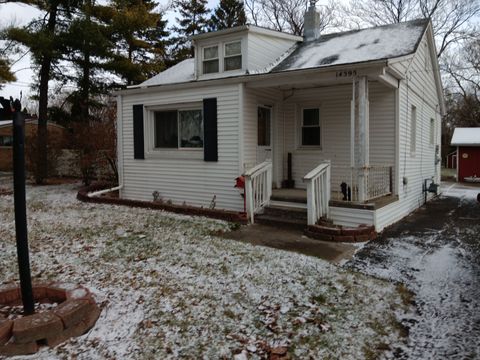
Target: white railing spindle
[(258, 188), (318, 192), (371, 182)]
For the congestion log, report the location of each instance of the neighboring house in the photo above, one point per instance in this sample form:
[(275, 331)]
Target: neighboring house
[(452, 160), (55, 132), (360, 109), (467, 141)]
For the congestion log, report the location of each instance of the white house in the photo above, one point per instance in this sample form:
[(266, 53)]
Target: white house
[(361, 108)]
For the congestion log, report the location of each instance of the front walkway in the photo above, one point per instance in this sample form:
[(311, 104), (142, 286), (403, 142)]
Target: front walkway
[(436, 253), (293, 240)]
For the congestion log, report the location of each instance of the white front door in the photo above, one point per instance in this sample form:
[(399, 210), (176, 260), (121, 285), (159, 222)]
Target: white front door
[(264, 134)]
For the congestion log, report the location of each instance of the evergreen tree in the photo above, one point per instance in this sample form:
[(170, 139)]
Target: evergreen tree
[(139, 35), (193, 21), (87, 48), (6, 49), (229, 13), (42, 37)]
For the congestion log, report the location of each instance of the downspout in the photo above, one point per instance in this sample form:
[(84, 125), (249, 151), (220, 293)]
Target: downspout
[(101, 192)]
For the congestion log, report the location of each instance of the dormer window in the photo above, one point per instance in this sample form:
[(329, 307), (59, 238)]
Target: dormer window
[(233, 56), (210, 60)]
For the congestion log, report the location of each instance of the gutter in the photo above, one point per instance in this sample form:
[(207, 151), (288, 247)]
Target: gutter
[(249, 77)]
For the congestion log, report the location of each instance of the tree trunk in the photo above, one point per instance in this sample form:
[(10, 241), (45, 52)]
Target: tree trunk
[(42, 133)]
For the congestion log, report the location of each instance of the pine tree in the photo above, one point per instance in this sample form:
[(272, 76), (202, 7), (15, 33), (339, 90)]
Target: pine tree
[(193, 21), (42, 37), (139, 35), (5, 73), (229, 13), (6, 49), (87, 48)]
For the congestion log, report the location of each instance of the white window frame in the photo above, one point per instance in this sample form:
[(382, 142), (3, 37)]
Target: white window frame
[(212, 59), (432, 131), (174, 153), (413, 130), (225, 57), (300, 128), (200, 58)]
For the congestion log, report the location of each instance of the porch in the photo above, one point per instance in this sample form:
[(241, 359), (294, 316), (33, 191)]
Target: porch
[(323, 144), (299, 197)]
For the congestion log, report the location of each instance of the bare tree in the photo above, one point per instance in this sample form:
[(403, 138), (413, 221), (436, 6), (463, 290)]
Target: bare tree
[(287, 15), (453, 20)]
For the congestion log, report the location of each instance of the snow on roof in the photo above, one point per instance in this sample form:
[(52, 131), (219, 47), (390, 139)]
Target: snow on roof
[(5, 122), (182, 72), (382, 42), (466, 136)]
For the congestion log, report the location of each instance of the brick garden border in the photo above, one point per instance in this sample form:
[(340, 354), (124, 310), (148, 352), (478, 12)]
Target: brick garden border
[(338, 233), (322, 231), (76, 313), (231, 216)]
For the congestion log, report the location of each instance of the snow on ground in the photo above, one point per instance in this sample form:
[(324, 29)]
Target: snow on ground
[(465, 192), (169, 288)]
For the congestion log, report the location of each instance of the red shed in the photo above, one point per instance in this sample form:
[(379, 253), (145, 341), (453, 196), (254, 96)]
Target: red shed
[(467, 141)]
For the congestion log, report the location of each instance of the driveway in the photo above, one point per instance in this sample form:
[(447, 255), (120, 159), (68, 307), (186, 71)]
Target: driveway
[(435, 252)]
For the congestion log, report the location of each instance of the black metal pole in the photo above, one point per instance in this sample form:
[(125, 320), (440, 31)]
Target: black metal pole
[(21, 209)]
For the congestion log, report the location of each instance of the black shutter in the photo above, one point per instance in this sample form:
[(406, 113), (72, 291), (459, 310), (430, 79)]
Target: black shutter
[(210, 142), (138, 141)]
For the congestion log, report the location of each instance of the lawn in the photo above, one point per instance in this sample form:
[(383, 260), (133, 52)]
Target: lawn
[(170, 288)]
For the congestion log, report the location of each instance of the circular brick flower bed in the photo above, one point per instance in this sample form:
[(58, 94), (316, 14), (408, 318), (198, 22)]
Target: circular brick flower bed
[(75, 314)]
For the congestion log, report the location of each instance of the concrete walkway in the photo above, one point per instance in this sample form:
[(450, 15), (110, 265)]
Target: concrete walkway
[(292, 240), (435, 252)]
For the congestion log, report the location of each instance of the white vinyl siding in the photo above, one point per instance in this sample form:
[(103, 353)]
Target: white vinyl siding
[(189, 180), (351, 217), (335, 116), (419, 90), (263, 50)]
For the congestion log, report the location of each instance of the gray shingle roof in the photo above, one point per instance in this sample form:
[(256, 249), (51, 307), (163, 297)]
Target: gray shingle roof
[(377, 43)]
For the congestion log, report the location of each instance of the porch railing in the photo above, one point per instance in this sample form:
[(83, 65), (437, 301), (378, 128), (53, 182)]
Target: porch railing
[(365, 183), (258, 188), (318, 192)]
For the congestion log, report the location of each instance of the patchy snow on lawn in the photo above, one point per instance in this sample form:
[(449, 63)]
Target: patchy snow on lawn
[(169, 288)]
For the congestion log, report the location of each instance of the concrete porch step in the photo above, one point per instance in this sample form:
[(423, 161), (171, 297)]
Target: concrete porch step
[(286, 215), (289, 195), (281, 222), (290, 205), (286, 212)]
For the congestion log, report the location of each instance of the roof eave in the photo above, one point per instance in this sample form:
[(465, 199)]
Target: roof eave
[(248, 77)]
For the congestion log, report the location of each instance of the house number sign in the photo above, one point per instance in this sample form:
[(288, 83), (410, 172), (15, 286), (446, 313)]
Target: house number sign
[(346, 73)]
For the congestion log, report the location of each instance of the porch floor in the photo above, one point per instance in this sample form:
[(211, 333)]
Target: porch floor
[(300, 196)]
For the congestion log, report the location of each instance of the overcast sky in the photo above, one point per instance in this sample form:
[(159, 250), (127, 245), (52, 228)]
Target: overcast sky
[(20, 14)]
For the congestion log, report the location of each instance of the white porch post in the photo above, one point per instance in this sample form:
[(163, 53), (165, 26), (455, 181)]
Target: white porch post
[(352, 131), (363, 137)]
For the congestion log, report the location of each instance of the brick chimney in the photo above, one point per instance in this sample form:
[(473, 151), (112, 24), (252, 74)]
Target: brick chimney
[(311, 28)]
